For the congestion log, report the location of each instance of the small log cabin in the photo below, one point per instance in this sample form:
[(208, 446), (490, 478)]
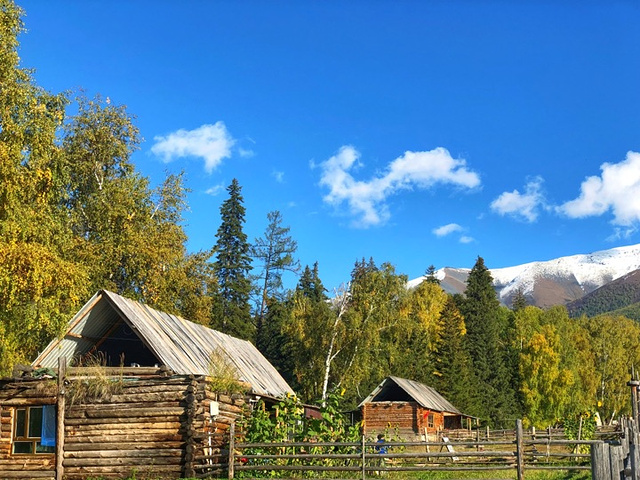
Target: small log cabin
[(162, 416), (408, 408)]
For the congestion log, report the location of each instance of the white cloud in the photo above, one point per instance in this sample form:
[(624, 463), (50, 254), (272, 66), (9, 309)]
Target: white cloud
[(617, 189), (215, 190), (452, 228), (210, 142), (279, 176), (447, 229), (525, 206), (245, 152), (365, 200)]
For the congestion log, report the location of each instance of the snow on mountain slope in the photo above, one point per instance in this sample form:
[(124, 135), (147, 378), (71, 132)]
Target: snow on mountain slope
[(551, 282)]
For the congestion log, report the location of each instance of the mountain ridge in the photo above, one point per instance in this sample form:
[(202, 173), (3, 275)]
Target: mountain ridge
[(557, 281)]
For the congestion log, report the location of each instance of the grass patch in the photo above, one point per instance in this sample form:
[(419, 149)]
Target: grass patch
[(94, 383)]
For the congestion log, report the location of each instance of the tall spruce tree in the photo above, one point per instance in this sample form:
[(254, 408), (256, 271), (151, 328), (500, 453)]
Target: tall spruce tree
[(453, 364), (232, 314), (496, 394)]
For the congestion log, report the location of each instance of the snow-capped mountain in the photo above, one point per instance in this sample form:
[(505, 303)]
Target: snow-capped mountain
[(553, 282)]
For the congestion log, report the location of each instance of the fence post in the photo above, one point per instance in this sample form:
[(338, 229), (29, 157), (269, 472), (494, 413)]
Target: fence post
[(62, 373), (600, 466), (634, 458), (519, 450), (615, 460), (232, 447), (634, 398), (364, 459)]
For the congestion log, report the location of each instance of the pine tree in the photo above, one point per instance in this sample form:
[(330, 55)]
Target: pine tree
[(519, 301), (485, 333), (274, 344), (232, 267), (274, 253), (310, 284), (430, 275), (453, 364)]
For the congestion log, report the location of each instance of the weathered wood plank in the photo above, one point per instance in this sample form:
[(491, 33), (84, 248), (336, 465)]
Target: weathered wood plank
[(150, 454), (131, 446), (124, 438), (147, 411), (79, 422), (118, 428), (122, 461)]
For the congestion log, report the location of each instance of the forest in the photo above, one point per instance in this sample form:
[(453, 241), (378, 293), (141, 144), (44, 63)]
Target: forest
[(76, 216)]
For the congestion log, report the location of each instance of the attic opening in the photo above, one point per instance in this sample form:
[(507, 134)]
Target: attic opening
[(122, 346), (391, 392)]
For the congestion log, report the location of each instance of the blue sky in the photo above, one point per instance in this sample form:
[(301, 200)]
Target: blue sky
[(415, 133)]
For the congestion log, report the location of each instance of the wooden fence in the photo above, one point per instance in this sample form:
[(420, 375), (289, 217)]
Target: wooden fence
[(515, 451)]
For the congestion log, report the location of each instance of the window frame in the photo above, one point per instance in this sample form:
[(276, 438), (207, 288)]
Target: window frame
[(431, 420), (27, 436)]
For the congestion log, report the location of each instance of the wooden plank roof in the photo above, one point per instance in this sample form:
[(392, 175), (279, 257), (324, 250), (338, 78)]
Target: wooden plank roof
[(183, 346), (424, 395)]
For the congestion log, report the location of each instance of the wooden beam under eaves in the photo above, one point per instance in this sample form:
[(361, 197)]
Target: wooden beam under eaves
[(81, 337)]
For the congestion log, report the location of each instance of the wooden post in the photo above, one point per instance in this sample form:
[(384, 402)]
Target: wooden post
[(519, 450), (232, 447), (634, 451), (600, 466), (634, 398), (615, 460), (634, 454), (580, 429), (364, 459), (62, 373)]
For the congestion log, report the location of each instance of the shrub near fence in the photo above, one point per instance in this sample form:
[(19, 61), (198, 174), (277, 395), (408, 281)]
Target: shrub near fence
[(516, 452)]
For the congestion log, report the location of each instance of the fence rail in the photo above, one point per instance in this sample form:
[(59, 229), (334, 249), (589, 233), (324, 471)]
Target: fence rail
[(514, 451)]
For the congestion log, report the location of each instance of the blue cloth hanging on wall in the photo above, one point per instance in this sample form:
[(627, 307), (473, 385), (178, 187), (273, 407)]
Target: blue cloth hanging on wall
[(48, 426)]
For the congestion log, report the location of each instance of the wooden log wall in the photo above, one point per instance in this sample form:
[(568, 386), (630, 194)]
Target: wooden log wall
[(19, 394), (211, 452), (144, 429), (390, 417), (160, 428), (407, 419)]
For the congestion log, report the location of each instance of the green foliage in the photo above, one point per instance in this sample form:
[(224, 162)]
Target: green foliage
[(286, 423), (453, 374), (274, 255), (580, 426), (616, 350), (488, 347), (232, 266)]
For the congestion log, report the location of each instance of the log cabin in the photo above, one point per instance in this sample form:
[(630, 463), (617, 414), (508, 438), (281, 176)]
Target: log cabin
[(410, 409), (154, 407)]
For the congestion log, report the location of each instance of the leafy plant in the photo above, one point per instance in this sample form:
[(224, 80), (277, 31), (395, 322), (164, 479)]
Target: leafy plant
[(582, 425)]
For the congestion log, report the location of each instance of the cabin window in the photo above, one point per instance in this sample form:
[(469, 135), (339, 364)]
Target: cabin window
[(430, 420), (34, 430)]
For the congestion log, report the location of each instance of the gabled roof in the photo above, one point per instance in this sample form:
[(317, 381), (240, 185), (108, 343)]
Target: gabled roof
[(424, 395), (183, 346)]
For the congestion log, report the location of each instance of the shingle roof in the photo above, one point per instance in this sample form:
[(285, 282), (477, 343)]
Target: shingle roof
[(183, 346), (424, 395)]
